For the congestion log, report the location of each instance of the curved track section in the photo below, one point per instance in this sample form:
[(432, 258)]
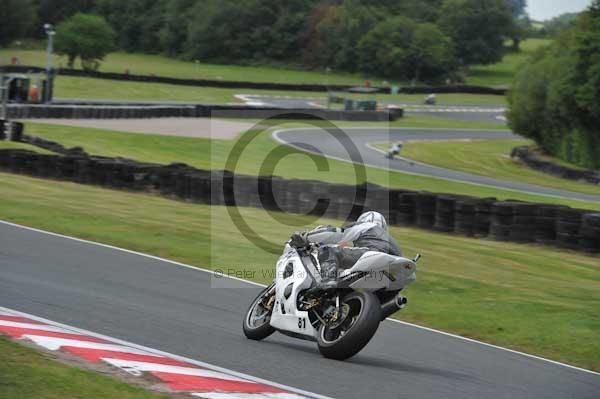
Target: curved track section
[(309, 139), (159, 304)]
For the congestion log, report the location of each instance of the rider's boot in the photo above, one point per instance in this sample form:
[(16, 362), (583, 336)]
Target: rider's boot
[(328, 260)]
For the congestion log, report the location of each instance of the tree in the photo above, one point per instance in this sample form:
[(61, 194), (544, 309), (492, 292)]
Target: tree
[(55, 11), (400, 48), (559, 24), (138, 23), (385, 49), (432, 53), (16, 18), (478, 28), (518, 8), (521, 22), (555, 98), (248, 30), (326, 41), (173, 35), (86, 36), (223, 30)]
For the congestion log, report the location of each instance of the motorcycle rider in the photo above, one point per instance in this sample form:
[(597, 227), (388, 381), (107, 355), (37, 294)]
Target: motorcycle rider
[(341, 248), (394, 150)]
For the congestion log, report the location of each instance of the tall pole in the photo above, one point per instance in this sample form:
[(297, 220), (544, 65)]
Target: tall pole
[(5, 85), (49, 67)]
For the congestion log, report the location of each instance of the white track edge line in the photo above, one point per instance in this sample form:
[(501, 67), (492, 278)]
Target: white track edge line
[(169, 355), (263, 285)]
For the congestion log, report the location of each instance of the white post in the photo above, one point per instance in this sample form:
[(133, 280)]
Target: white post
[(49, 74)]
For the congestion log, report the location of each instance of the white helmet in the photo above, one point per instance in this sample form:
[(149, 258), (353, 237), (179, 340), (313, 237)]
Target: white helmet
[(373, 217)]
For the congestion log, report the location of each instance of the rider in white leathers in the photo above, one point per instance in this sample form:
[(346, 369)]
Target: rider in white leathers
[(341, 248)]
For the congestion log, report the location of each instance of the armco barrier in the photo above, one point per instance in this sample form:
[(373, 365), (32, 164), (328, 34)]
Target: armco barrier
[(501, 220), (92, 111), (253, 85), (529, 158)]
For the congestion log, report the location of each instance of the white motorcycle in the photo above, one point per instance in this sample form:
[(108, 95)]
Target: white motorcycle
[(343, 320)]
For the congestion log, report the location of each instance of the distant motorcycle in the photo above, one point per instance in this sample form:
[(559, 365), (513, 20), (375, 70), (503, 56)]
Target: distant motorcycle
[(394, 150), (342, 320), (430, 100)]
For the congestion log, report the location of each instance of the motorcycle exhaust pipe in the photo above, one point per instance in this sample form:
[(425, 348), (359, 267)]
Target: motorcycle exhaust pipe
[(392, 306)]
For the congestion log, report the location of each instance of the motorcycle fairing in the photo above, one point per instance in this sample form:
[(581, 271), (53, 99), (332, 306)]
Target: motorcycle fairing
[(286, 315), (377, 270)]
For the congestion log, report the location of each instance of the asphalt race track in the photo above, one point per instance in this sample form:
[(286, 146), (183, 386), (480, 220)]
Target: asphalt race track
[(324, 143), (481, 113), (174, 309)]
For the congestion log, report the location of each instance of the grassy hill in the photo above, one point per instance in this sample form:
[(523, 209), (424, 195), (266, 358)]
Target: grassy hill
[(141, 64), (502, 73)]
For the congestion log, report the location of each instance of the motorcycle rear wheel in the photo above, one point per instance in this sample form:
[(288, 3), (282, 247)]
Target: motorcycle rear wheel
[(355, 332), (256, 322)]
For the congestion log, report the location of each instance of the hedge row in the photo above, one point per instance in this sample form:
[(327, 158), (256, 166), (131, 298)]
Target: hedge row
[(253, 85), (524, 155), (92, 111), (475, 217)]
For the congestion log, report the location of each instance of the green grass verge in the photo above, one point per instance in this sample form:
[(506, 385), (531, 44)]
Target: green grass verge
[(502, 73), (487, 158), (141, 64), (212, 154), (67, 87), (29, 374), (9, 145), (525, 297)]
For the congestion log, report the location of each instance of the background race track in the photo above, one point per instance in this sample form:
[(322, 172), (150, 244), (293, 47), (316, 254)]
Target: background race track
[(324, 143)]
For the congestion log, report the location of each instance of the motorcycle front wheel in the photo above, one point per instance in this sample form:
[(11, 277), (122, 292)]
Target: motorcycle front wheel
[(257, 320), (356, 329)]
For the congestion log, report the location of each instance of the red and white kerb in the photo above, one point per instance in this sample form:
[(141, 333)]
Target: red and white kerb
[(179, 376)]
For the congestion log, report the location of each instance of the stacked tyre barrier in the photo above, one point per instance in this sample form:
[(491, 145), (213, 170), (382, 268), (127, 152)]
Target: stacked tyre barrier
[(529, 158), (589, 240), (3, 129), (12, 131), (545, 224), (568, 226), (464, 217), (512, 221), (403, 207), (483, 217), (445, 213), (425, 205), (146, 111)]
